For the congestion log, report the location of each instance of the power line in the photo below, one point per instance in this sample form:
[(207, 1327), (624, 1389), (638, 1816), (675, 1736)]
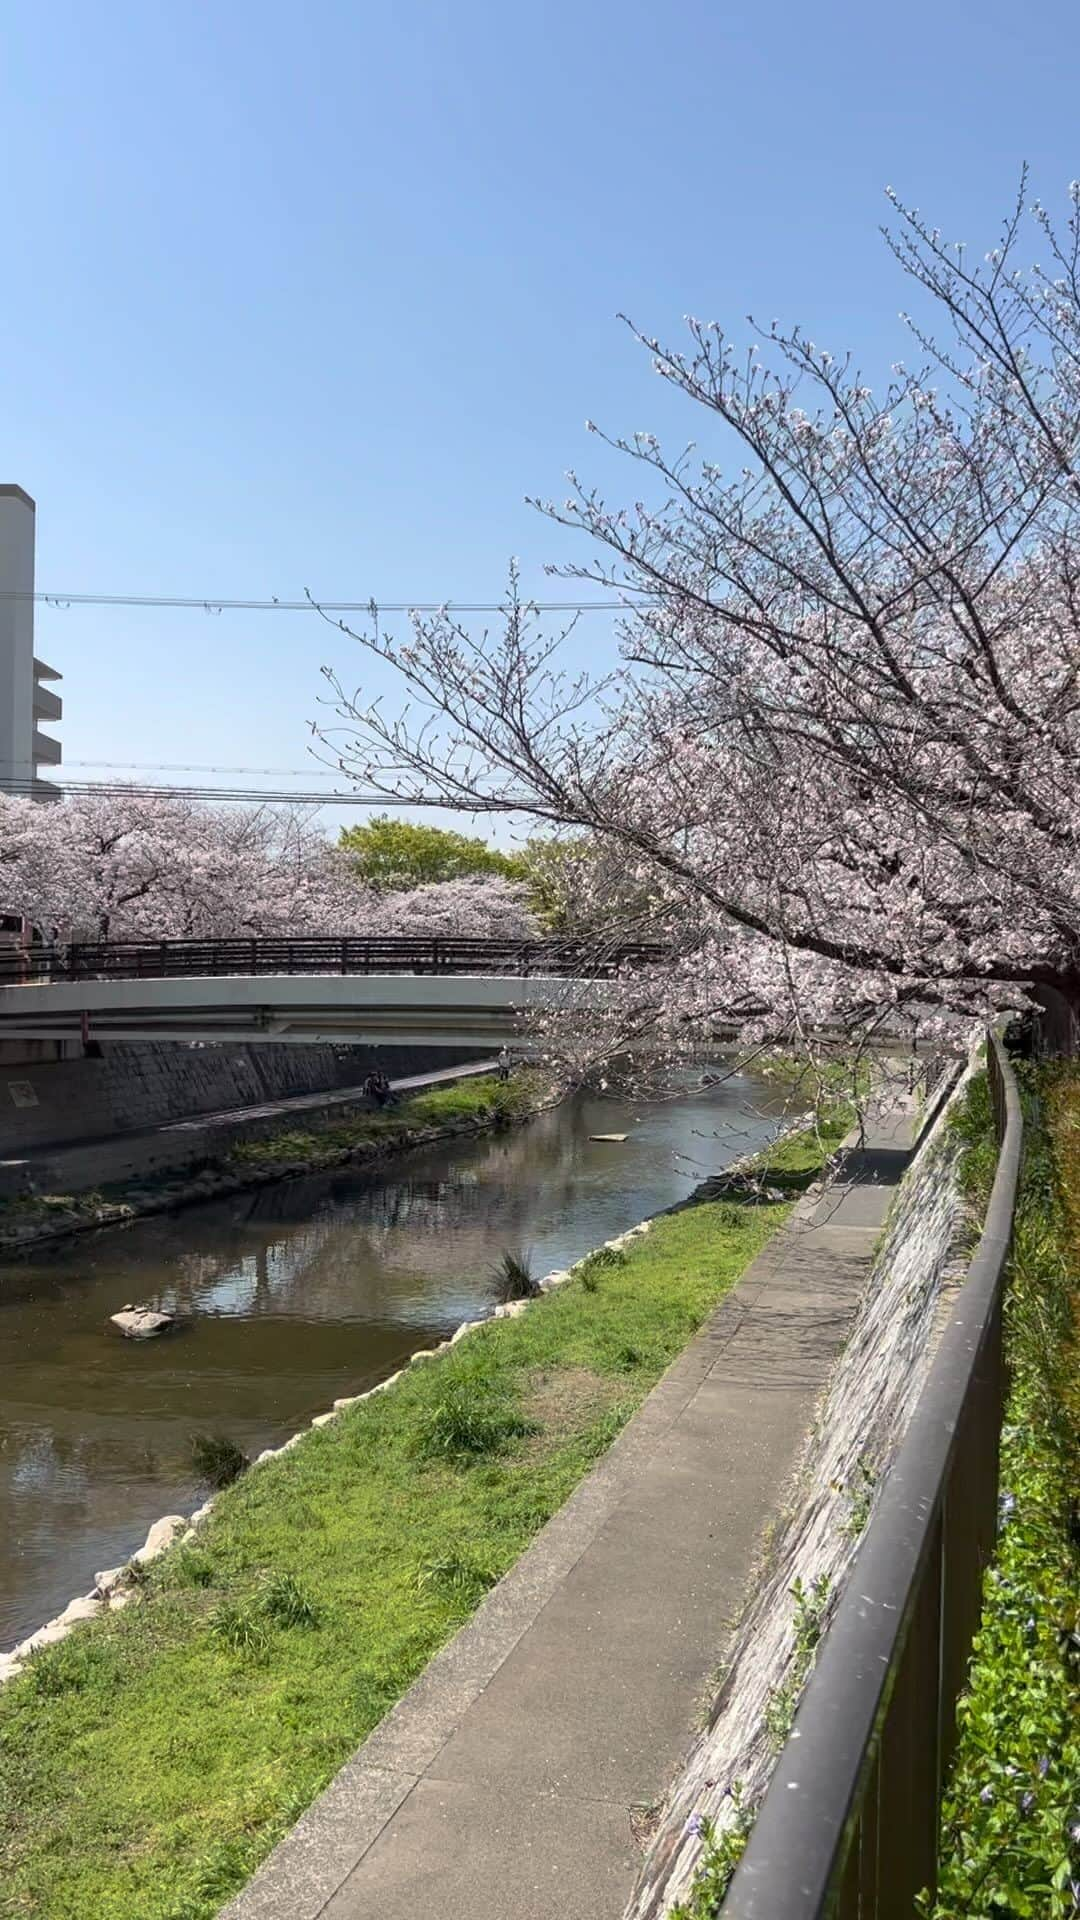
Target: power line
[(168, 766), (208, 603), (122, 789)]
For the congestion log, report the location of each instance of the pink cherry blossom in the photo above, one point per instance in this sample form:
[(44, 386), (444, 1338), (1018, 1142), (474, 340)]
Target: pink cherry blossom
[(124, 866), (839, 753)]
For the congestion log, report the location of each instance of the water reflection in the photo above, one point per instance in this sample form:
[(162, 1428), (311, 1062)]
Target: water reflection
[(287, 1298)]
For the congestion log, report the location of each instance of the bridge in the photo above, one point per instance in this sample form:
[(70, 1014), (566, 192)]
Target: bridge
[(438, 992)]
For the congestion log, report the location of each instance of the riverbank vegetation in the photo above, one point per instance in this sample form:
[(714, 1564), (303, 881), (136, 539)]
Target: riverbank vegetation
[(149, 1762), (1011, 1825), (482, 1104)]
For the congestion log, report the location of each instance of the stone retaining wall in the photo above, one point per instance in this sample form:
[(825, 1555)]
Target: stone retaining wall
[(133, 1085)]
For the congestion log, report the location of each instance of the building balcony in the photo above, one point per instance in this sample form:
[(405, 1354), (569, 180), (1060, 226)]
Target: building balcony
[(46, 749), (47, 704)]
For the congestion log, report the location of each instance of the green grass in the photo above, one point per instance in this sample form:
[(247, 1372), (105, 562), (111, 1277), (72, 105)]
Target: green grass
[(487, 1101), (835, 1077), (1010, 1844), (150, 1761)]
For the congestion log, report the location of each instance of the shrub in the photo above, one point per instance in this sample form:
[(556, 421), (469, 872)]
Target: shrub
[(217, 1459), (1010, 1841)]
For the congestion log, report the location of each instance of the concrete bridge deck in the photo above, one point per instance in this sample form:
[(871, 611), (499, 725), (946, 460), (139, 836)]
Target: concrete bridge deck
[(478, 1011)]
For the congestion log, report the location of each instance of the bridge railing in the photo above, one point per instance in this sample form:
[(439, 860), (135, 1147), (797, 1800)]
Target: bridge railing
[(849, 1825), (212, 959)]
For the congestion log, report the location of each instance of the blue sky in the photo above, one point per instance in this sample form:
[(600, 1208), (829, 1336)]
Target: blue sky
[(313, 296)]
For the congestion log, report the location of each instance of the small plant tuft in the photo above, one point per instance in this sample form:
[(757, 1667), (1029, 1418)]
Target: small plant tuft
[(602, 1260), (811, 1606), (721, 1851), (240, 1627), (728, 1216), (860, 1492), (285, 1602), (455, 1573), (513, 1279), (217, 1459), (81, 1661), (469, 1419), (188, 1567)]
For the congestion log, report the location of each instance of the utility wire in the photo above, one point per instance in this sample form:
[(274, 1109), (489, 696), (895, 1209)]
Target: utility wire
[(169, 766), (29, 789), (210, 604)]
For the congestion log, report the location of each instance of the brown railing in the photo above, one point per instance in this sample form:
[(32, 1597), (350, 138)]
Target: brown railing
[(211, 959), (849, 1825)]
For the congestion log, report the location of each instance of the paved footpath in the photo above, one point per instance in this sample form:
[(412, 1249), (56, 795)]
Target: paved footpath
[(503, 1784)]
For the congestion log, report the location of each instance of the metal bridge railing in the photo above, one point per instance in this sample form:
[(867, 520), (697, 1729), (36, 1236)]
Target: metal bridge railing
[(849, 1825), (212, 959)]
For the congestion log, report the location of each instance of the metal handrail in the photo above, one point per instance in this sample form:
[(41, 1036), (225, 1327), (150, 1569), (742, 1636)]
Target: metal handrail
[(849, 1824), (349, 954)]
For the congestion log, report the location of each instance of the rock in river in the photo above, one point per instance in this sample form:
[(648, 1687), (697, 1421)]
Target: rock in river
[(142, 1323)]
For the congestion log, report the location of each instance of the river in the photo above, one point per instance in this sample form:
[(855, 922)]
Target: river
[(287, 1298)]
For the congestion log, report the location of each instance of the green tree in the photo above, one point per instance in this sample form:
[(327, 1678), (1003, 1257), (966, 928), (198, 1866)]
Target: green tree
[(392, 855), (583, 887)]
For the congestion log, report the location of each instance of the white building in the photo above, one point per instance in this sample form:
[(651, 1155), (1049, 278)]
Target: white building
[(26, 698)]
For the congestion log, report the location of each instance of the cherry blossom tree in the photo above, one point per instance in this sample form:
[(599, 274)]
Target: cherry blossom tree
[(126, 866), (473, 907), (839, 751)]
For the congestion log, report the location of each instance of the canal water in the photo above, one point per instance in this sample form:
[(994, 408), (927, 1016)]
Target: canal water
[(287, 1298)]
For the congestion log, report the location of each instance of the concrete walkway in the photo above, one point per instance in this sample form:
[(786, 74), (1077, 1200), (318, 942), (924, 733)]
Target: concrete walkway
[(511, 1781)]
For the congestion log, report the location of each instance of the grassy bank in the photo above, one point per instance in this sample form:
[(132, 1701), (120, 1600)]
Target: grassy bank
[(1011, 1827), (485, 1102), (465, 1105), (150, 1761)]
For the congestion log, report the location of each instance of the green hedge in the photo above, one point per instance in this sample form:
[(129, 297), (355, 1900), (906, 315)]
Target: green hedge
[(1010, 1841)]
